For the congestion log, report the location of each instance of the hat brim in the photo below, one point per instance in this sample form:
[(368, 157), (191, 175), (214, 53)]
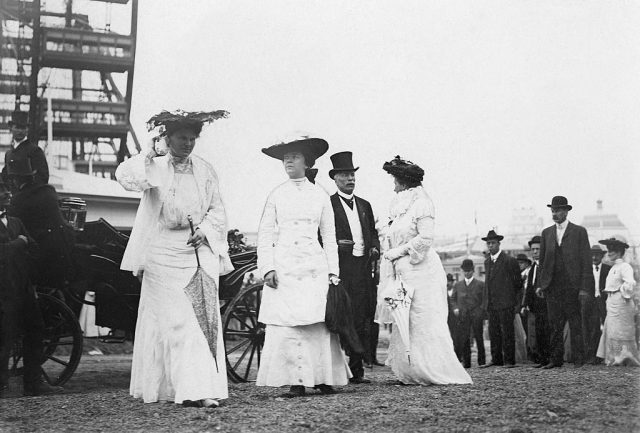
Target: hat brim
[(335, 171), (562, 206), (524, 260), (598, 251), (612, 242), (314, 146), (493, 238)]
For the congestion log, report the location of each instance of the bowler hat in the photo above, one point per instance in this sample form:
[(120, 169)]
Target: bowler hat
[(560, 202), (19, 118), (20, 167), (467, 265), (615, 240), (523, 258), (342, 161), (535, 240), (311, 148), (597, 249), (449, 277), (493, 236)]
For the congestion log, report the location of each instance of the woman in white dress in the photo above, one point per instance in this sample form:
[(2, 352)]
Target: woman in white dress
[(619, 340), (172, 359), (432, 358), (298, 351)]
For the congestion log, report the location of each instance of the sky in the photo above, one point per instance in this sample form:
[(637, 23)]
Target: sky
[(503, 103)]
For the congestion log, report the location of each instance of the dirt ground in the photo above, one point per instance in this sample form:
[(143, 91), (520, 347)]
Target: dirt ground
[(592, 398)]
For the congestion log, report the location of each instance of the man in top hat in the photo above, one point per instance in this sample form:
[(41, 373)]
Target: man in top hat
[(594, 311), (502, 299), (36, 205), (19, 310), (22, 148), (467, 296), (566, 275), (535, 303), (358, 248)]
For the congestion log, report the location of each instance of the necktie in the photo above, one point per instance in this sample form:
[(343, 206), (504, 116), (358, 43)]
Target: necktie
[(597, 268), (348, 201)]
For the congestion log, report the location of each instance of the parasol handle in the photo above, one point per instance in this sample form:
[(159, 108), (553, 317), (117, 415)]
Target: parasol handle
[(192, 233)]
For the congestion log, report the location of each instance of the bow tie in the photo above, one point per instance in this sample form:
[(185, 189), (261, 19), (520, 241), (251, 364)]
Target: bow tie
[(3, 214), (597, 268), (348, 201)]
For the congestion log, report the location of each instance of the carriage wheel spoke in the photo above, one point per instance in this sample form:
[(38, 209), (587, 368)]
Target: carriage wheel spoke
[(58, 360), (46, 376), (244, 343), (250, 361), (241, 357), (238, 333), (242, 321)]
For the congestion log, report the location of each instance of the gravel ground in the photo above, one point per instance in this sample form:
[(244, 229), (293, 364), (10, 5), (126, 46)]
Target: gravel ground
[(592, 398)]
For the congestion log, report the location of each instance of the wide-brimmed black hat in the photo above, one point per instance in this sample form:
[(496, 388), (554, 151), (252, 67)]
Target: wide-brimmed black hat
[(20, 167), (404, 169), (523, 258), (342, 161), (535, 240), (19, 118), (493, 236), (560, 202), (615, 240), (467, 265), (311, 148), (450, 277), (597, 249)]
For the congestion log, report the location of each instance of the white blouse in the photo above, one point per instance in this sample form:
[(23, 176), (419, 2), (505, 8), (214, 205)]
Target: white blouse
[(620, 278), (412, 223)]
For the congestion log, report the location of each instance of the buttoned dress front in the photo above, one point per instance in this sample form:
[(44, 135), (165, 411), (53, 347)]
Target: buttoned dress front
[(298, 348)]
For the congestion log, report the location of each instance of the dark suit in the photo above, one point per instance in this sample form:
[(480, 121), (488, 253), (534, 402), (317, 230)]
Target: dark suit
[(32, 151), (468, 301), (565, 274), (356, 274), (37, 207), (538, 306), (601, 301), (590, 315), (503, 294), (19, 310)]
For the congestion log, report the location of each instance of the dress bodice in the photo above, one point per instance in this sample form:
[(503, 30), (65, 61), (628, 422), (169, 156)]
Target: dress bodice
[(180, 200)]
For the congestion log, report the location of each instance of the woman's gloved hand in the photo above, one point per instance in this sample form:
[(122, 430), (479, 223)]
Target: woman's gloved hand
[(395, 253)]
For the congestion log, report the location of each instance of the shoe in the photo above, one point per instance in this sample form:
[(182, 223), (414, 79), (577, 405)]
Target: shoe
[(578, 364), (3, 390), (294, 391), (542, 364), (491, 364), (41, 388), (368, 365), (325, 389), (359, 380), (467, 366), (191, 403), (551, 365), (378, 363), (210, 403)]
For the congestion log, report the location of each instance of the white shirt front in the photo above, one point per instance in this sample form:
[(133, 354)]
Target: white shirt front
[(354, 224), (468, 281), (560, 229), (495, 256), (596, 277), (15, 143)]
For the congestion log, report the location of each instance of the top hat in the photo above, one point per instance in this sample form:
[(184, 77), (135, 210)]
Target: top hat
[(615, 240), (311, 148), (535, 240), (19, 118), (449, 277), (493, 236), (467, 265), (342, 161), (560, 202), (404, 169), (597, 249), (523, 258), (20, 167)]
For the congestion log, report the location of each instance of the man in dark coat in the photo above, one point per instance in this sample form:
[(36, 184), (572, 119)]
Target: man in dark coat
[(36, 205), (22, 148), (594, 313), (467, 296), (358, 248), (452, 318), (535, 303), (19, 310), (502, 299), (566, 275)]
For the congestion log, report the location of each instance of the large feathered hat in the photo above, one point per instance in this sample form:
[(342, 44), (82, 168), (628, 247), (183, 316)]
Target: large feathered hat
[(178, 119), (404, 169)]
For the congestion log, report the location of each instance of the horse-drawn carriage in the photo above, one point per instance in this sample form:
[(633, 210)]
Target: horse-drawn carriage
[(97, 254)]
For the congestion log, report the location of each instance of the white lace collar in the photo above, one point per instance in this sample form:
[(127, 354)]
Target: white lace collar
[(402, 202)]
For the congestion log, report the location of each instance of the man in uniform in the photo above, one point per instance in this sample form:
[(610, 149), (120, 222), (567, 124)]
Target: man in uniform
[(19, 310), (22, 148), (566, 276), (358, 248)]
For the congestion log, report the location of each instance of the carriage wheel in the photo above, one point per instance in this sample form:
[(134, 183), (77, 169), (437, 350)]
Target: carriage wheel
[(62, 340), (243, 334)]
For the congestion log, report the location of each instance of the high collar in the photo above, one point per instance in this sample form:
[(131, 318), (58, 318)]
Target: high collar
[(563, 225), (468, 280), (495, 256), (15, 143), (347, 196)]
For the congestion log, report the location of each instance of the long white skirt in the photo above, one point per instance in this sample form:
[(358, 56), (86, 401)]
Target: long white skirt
[(302, 355), (171, 357)]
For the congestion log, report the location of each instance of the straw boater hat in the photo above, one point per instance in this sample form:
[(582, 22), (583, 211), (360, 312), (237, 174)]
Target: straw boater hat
[(312, 148), (342, 161), (173, 120), (560, 202), (615, 240), (404, 169), (493, 236)]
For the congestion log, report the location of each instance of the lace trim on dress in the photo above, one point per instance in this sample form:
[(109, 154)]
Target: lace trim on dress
[(402, 202)]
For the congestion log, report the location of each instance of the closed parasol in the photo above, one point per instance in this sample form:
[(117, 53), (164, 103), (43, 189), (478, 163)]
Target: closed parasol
[(202, 291), (398, 299)]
